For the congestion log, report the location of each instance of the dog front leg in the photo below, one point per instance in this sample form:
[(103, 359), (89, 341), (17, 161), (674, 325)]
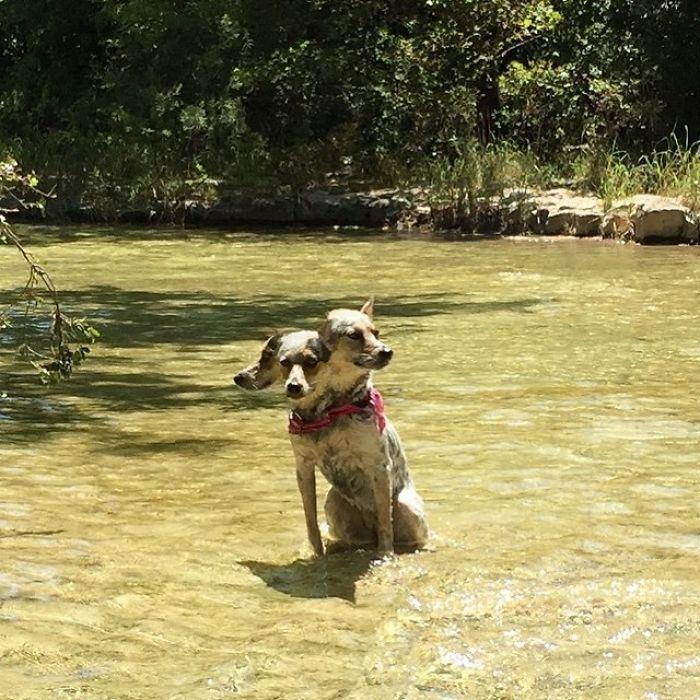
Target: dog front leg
[(306, 480), (383, 502)]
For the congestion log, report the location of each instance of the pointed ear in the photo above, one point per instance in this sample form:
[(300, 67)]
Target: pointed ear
[(272, 345), (368, 307)]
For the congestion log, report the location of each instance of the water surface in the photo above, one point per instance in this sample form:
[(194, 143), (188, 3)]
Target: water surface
[(152, 542)]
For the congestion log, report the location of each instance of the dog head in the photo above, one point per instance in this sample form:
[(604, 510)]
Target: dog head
[(354, 339), (265, 371), (295, 359)]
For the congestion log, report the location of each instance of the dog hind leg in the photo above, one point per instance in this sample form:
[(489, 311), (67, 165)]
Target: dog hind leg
[(410, 525)]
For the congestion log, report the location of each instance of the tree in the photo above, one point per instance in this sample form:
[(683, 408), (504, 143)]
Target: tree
[(140, 100)]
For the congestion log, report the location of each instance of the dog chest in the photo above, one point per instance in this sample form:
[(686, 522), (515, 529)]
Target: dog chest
[(353, 482), (348, 456)]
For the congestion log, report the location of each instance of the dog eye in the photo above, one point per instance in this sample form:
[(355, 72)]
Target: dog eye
[(376, 333), (310, 362), (355, 335), (286, 362)]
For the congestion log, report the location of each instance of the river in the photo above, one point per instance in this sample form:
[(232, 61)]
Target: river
[(152, 542)]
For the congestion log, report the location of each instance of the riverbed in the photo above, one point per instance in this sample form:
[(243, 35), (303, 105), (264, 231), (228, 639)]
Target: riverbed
[(152, 542)]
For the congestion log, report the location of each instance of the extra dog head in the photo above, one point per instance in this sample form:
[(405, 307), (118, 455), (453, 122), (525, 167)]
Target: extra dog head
[(295, 359), (266, 371), (354, 339)]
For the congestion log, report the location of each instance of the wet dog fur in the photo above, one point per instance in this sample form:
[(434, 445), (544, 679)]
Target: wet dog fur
[(372, 501)]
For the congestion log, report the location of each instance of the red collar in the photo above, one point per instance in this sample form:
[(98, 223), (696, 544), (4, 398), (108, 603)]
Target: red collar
[(374, 403)]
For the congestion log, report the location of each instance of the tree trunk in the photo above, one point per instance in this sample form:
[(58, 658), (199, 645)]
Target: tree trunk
[(487, 104)]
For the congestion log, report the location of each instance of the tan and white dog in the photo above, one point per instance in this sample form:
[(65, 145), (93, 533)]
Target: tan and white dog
[(337, 424)]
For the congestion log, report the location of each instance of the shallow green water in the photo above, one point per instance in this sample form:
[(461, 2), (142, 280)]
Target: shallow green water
[(546, 393)]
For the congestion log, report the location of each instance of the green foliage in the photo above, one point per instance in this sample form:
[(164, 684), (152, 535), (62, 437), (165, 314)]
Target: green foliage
[(587, 82), (613, 174), (68, 338), (469, 189), (146, 102), (69, 345)]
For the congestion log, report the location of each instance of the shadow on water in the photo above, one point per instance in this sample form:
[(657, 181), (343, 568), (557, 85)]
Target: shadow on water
[(332, 576), (30, 411), (36, 235), (129, 319), (118, 234), (139, 320)]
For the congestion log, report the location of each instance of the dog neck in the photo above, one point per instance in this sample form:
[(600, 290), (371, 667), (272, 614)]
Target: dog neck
[(336, 389)]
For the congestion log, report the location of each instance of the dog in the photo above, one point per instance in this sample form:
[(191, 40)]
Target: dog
[(337, 423)]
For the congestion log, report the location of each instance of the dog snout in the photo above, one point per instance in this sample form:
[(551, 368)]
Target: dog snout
[(243, 380), (294, 388), (385, 354)]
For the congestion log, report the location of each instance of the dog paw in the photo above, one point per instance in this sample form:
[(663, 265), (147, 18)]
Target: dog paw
[(337, 546), (385, 547), (382, 559)]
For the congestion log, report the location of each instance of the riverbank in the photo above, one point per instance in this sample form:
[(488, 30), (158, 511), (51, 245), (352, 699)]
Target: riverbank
[(641, 218)]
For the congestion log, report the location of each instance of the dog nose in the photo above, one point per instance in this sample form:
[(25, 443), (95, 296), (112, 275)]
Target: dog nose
[(239, 379), (294, 389), (386, 353)]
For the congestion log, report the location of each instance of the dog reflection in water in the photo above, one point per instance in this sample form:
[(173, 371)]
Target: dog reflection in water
[(337, 423)]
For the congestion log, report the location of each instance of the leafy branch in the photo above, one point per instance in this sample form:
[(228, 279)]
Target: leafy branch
[(69, 338)]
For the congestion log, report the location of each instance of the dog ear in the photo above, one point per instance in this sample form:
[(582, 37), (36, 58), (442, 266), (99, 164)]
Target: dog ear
[(368, 307), (324, 351), (272, 345)]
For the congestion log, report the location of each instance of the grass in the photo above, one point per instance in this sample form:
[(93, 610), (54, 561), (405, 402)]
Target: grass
[(469, 188), (673, 171), (462, 187), (477, 180)]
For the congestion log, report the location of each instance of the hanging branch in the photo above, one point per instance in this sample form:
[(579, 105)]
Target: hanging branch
[(69, 338)]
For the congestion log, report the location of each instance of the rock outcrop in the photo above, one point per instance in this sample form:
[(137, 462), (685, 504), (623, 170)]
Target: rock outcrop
[(554, 212), (641, 219), (316, 207), (647, 218), (247, 208), (374, 209)]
